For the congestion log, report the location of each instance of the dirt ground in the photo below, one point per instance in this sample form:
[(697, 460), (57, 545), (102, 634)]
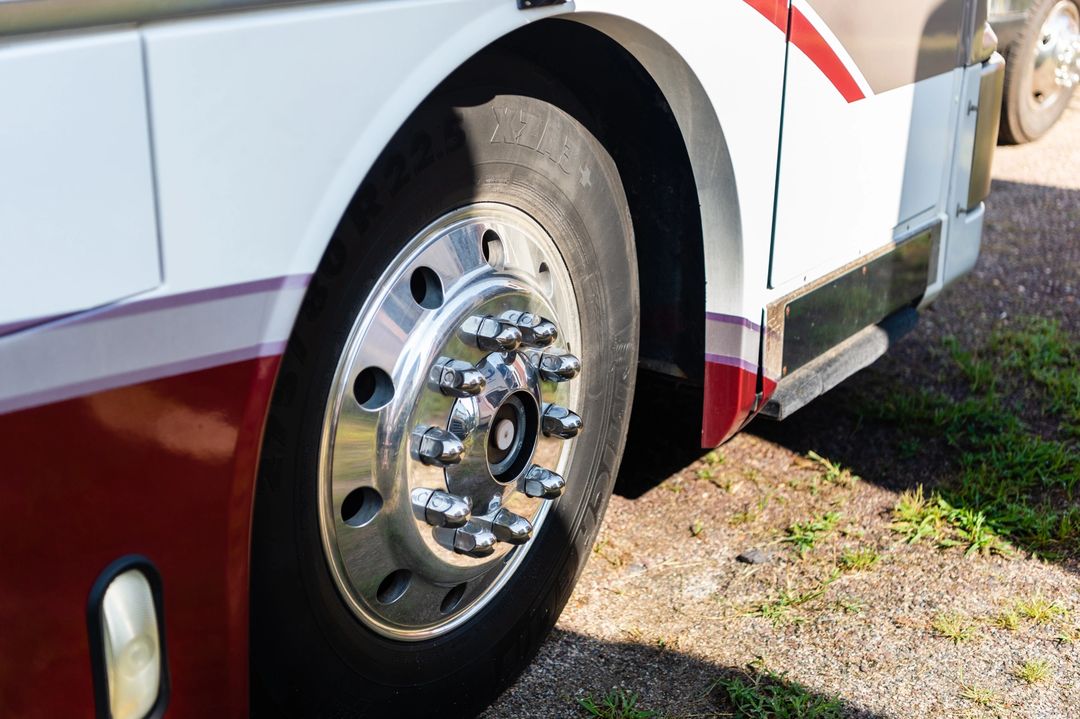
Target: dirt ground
[(871, 601)]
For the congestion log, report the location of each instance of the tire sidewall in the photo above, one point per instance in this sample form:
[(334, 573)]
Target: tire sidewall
[(1022, 121), (309, 650)]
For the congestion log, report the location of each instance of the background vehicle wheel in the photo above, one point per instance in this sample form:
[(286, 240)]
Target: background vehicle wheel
[(1041, 70), (426, 500)]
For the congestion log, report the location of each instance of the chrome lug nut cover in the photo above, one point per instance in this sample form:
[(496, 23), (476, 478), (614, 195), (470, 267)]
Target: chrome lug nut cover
[(535, 330), (556, 367), (437, 447), (543, 483), (456, 378), (441, 509), (475, 540), (509, 527), (491, 334), (560, 422)]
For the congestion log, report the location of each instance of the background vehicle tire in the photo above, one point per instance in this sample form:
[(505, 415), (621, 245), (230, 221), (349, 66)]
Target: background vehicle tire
[(1048, 42), (320, 645)]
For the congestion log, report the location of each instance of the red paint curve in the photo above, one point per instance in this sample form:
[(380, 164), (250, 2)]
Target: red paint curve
[(806, 37)]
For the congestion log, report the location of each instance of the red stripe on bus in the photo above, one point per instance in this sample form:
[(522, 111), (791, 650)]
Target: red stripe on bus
[(806, 37), (775, 11)]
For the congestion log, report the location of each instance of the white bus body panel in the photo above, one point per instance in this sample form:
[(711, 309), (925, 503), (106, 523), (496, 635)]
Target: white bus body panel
[(76, 185)]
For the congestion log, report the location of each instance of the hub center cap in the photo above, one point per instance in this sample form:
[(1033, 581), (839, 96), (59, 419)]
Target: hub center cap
[(504, 434)]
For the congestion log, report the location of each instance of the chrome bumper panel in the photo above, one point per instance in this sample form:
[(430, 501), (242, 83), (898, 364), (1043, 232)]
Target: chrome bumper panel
[(986, 129)]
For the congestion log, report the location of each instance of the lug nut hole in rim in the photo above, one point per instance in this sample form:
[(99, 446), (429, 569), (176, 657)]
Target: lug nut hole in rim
[(452, 599), (393, 586), (426, 288), (523, 415), (373, 388), (360, 506), (492, 247)]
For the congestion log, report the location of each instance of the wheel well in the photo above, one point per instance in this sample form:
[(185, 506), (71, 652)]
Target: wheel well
[(620, 103)]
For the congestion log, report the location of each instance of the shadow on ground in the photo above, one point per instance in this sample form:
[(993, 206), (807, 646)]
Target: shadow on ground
[(664, 683), (980, 406)]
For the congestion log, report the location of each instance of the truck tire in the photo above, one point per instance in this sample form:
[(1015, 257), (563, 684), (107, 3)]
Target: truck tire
[(426, 500), (1048, 44)]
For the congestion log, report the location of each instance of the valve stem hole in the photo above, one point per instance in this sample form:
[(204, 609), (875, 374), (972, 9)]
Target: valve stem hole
[(543, 273)]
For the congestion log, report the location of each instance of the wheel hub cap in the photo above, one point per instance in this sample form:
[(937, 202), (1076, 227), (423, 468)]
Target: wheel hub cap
[(445, 438), (1057, 54)]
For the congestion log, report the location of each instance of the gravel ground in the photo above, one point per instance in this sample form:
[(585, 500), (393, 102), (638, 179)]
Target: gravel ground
[(665, 611)]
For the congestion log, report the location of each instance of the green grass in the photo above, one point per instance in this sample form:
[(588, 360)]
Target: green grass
[(956, 627), (1039, 609), (1045, 354), (859, 560), (832, 472), (1011, 483), (779, 610), (805, 535), (771, 696), (1008, 620), (981, 695), (616, 704), (1033, 671), (917, 517)]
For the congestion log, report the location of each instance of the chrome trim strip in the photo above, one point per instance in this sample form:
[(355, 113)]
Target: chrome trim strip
[(991, 86), (775, 313), (24, 17)]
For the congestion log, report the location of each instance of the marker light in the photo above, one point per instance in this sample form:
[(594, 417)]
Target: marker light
[(131, 647)]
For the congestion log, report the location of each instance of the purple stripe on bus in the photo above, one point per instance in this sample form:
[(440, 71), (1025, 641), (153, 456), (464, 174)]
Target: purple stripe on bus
[(137, 307), (12, 327), (133, 377), (209, 294), (732, 362), (732, 320)]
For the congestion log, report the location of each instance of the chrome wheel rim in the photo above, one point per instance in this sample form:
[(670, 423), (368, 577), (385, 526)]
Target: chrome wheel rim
[(1056, 55), (446, 432)]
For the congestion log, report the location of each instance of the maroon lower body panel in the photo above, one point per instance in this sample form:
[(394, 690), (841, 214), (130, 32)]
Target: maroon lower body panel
[(730, 393), (165, 469)]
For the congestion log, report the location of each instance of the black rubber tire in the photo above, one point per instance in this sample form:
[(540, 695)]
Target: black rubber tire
[(1020, 122), (310, 655)]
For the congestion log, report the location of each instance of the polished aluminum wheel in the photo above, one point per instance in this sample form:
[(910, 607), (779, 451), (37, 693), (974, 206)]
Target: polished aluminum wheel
[(449, 425), (1056, 55)]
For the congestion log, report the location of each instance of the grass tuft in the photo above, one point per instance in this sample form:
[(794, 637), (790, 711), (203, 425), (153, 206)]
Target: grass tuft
[(981, 695), (1008, 619), (919, 517), (771, 696), (1039, 609), (616, 704), (859, 560), (956, 627), (805, 535), (779, 610), (1033, 671)]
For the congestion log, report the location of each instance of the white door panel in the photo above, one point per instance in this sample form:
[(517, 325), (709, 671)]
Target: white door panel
[(77, 224), (851, 172)]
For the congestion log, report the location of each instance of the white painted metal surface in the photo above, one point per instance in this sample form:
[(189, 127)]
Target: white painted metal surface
[(854, 175), (736, 57), (76, 189)]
